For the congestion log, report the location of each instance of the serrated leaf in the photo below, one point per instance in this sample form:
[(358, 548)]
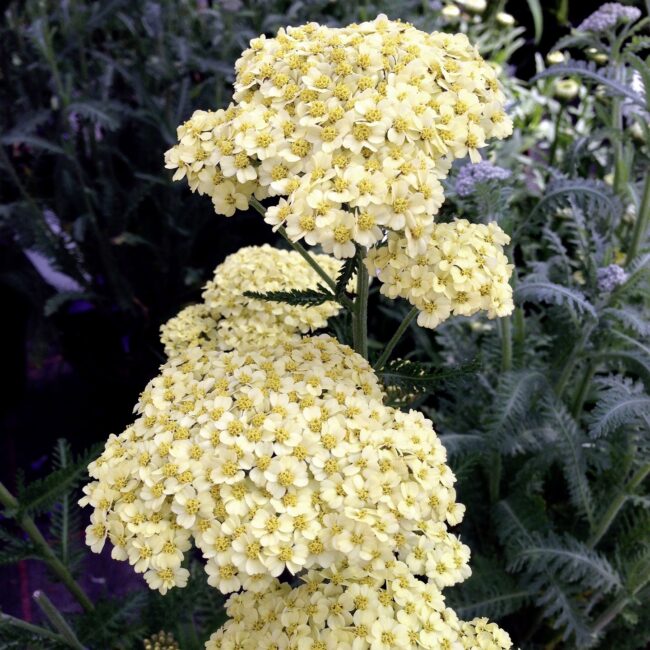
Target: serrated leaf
[(304, 297), (348, 269), (534, 289), (416, 377), (620, 402)]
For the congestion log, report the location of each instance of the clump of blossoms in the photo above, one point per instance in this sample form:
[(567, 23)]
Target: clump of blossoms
[(610, 277), (462, 271), (274, 460), (227, 319), (472, 174), (608, 16), (384, 608), (353, 127)]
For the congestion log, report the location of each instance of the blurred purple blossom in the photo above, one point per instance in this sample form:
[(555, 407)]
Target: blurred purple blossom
[(482, 172), (610, 277), (608, 16)]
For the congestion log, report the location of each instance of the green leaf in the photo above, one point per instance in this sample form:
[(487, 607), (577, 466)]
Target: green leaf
[(14, 549), (53, 304), (416, 377), (571, 454), (305, 297), (41, 494), (540, 289), (568, 559), (538, 18), (348, 269), (33, 141), (620, 403)]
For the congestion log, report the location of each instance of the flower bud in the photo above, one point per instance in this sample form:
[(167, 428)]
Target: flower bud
[(555, 57), (505, 19), (566, 89)]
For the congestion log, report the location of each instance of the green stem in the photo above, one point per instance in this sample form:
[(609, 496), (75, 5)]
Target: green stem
[(556, 136), (617, 503), (30, 628), (27, 524), (56, 618), (505, 331), (583, 389), (571, 360), (519, 333), (642, 222), (360, 313), (617, 607), (385, 355), (304, 253)]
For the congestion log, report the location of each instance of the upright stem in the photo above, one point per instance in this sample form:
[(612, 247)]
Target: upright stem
[(27, 524), (617, 503), (303, 253), (56, 618), (556, 137), (642, 222), (583, 389), (360, 313), (505, 331), (385, 355)]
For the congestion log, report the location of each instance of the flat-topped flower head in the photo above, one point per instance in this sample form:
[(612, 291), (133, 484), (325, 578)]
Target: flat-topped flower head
[(228, 319), (608, 16), (269, 460), (461, 270), (353, 127), (347, 607)]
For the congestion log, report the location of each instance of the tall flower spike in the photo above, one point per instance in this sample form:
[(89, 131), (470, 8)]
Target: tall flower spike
[(354, 127)]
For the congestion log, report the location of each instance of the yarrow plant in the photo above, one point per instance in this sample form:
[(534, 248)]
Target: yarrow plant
[(276, 453)]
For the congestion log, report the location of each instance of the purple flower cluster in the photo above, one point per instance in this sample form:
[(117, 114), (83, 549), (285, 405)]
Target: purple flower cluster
[(610, 277), (481, 172), (608, 16)]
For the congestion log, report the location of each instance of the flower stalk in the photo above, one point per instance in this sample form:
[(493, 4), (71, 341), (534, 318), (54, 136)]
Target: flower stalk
[(29, 526), (360, 313), (399, 332)]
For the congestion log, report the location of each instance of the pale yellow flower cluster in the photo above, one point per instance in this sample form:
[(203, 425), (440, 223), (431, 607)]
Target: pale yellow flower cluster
[(282, 458), (355, 126), (386, 608), (227, 319), (462, 271)]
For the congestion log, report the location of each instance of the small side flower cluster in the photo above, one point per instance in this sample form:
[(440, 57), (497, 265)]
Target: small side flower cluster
[(383, 609), (470, 175), (610, 277), (608, 16), (355, 126), (227, 319), (462, 271)]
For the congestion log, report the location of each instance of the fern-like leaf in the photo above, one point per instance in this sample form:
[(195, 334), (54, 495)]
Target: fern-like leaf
[(348, 269), (540, 289), (296, 297), (629, 318), (620, 403), (415, 377), (512, 401), (568, 559), (571, 454)]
